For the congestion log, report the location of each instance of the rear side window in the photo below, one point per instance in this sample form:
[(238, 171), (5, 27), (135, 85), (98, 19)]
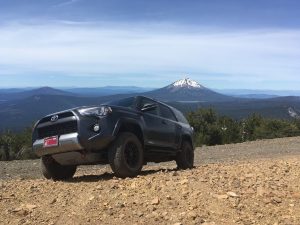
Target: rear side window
[(166, 113), (180, 117)]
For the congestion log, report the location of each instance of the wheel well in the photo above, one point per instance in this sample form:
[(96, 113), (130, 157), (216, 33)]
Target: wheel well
[(133, 128)]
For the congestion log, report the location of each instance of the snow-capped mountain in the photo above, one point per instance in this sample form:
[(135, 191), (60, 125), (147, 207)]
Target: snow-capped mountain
[(189, 91), (186, 82)]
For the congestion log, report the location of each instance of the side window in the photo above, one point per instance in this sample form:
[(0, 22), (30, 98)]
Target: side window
[(166, 113), (145, 102)]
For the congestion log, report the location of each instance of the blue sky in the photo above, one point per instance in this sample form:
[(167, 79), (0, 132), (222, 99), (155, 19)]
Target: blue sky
[(232, 44)]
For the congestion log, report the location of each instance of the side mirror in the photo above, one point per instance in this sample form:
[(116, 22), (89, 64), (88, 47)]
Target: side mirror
[(149, 107)]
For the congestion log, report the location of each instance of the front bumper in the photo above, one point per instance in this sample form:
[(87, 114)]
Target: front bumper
[(75, 133), (67, 143)]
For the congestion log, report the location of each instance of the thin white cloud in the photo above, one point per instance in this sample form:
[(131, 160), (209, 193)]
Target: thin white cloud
[(65, 3), (255, 55)]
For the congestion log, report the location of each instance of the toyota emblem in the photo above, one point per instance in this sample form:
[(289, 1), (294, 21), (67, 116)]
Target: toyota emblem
[(54, 118)]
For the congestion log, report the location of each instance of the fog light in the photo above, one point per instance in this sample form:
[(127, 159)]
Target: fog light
[(96, 127)]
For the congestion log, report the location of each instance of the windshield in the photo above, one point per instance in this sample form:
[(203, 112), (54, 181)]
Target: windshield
[(125, 102)]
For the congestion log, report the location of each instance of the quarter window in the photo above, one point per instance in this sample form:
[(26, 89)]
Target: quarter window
[(166, 113), (180, 117)]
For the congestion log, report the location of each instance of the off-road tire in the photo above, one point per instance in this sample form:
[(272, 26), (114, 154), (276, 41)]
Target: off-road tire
[(185, 157), (53, 170), (126, 156)]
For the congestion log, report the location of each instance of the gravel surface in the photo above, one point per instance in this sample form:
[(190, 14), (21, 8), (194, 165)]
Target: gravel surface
[(249, 183), (207, 154)]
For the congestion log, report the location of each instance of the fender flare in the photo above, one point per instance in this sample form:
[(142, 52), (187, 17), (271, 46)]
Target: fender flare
[(185, 136), (122, 121)]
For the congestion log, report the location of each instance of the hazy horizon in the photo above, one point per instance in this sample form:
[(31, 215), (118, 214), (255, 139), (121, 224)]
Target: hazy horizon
[(140, 87)]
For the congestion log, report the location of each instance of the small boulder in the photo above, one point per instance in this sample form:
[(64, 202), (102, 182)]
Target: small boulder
[(155, 201), (232, 194), (221, 196)]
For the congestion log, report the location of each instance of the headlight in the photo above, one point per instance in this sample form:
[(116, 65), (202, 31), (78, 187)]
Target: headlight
[(97, 111)]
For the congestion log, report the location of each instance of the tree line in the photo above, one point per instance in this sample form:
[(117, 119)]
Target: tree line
[(213, 129), (16, 145), (210, 129)]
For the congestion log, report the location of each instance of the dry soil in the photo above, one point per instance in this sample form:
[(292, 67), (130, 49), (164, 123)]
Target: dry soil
[(249, 183)]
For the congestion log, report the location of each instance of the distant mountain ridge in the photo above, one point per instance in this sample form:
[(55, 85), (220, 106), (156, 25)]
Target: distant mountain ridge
[(107, 90), (19, 93), (25, 107), (256, 96), (181, 90), (253, 92), (29, 93)]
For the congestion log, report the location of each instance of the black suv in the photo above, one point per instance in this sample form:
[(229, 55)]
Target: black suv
[(126, 133)]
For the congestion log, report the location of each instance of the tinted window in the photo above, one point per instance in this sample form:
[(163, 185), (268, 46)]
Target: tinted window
[(180, 117), (145, 102), (166, 113), (126, 102)]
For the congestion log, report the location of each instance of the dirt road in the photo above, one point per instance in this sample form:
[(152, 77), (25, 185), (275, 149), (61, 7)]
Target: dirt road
[(249, 183)]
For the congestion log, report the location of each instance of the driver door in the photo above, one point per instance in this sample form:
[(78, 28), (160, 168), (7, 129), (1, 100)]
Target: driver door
[(152, 123)]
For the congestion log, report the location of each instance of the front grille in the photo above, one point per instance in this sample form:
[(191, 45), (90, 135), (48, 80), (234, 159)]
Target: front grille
[(60, 116), (57, 129)]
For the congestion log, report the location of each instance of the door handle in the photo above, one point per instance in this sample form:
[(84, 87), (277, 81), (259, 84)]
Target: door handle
[(179, 127)]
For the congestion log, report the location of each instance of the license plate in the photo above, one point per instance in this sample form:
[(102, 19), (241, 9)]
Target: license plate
[(51, 141)]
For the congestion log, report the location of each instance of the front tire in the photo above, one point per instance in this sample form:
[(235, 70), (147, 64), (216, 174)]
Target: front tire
[(185, 158), (126, 155), (53, 170)]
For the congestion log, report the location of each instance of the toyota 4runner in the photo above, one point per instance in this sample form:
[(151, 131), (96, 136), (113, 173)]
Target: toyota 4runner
[(126, 133)]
